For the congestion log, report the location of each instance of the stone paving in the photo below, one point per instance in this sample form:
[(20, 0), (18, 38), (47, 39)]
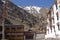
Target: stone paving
[(49, 39), (42, 37)]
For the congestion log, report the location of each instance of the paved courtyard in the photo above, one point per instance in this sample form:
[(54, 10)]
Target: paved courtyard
[(49, 39)]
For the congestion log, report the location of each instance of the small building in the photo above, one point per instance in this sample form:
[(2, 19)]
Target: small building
[(29, 35), (14, 32)]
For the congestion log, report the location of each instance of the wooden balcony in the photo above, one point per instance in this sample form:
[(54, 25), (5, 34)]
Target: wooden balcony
[(7, 30), (20, 37), (14, 29), (14, 32), (19, 30), (15, 37)]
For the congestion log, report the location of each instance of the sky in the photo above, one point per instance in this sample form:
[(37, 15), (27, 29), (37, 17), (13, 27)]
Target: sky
[(39, 3)]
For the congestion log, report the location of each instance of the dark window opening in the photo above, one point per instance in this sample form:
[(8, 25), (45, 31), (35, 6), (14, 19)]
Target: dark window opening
[(0, 36), (58, 26), (53, 20), (57, 16), (7, 28), (0, 28), (13, 36), (13, 28), (56, 6), (7, 36), (29, 36), (54, 27)]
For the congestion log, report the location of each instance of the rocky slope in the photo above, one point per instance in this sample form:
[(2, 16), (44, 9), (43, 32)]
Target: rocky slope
[(32, 17), (41, 14)]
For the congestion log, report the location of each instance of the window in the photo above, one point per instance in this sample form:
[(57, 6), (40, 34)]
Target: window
[(56, 7), (7, 36), (58, 26), (54, 28), (0, 36), (19, 27), (53, 16), (13, 35), (0, 28), (53, 20), (57, 16), (13, 28), (19, 35), (29, 36), (7, 28)]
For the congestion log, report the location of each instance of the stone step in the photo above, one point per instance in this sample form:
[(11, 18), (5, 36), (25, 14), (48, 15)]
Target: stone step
[(53, 39)]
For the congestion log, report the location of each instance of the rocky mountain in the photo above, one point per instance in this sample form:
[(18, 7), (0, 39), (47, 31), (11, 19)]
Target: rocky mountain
[(40, 13), (17, 16), (36, 11), (32, 16)]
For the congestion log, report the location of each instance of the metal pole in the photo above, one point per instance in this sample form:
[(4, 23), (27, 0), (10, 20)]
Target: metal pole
[(3, 20)]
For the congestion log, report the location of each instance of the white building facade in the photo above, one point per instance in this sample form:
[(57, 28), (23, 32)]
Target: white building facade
[(53, 27)]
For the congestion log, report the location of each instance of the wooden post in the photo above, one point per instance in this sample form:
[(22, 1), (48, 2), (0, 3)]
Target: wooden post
[(3, 20)]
